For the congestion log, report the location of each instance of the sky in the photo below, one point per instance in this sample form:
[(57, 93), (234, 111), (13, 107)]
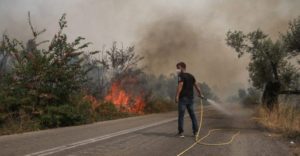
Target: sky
[(164, 31)]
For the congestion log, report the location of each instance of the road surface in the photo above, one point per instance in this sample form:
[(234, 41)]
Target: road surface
[(149, 135)]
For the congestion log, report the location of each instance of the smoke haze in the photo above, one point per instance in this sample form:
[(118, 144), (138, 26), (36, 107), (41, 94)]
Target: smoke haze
[(164, 31)]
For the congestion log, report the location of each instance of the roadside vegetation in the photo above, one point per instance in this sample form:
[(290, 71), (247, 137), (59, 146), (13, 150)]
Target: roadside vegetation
[(274, 76), (285, 120), (60, 82)]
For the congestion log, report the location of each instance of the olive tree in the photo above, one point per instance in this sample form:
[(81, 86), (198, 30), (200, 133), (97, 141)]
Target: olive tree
[(269, 67)]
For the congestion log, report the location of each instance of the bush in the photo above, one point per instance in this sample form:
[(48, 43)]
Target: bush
[(248, 98), (43, 80), (108, 111), (285, 120), (158, 105), (63, 115), (2, 118), (85, 110)]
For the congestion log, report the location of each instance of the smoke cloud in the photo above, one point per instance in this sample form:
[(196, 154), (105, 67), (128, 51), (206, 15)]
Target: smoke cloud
[(173, 39), (164, 31)]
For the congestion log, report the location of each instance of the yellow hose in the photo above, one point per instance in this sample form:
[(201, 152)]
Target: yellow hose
[(198, 140)]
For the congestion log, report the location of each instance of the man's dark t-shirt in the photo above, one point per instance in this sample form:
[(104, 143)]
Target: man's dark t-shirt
[(188, 85)]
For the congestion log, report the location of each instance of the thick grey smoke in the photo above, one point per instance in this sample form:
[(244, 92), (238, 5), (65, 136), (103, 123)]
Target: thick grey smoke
[(173, 39), (165, 31), (196, 36)]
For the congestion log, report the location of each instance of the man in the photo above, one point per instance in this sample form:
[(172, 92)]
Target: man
[(185, 96)]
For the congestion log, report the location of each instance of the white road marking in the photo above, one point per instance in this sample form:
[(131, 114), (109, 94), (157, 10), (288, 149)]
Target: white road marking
[(96, 139)]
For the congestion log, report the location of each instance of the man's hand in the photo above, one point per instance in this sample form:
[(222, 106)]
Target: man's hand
[(202, 97), (176, 99), (199, 91)]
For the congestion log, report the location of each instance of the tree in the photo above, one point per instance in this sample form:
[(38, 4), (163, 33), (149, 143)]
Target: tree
[(252, 97), (120, 60), (4, 59), (43, 80), (242, 93), (268, 61), (292, 37)]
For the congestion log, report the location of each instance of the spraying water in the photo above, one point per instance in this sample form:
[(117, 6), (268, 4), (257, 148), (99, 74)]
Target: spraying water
[(218, 107)]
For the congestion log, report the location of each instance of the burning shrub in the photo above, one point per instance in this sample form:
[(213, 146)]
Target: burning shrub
[(125, 84), (92, 100), (124, 101)]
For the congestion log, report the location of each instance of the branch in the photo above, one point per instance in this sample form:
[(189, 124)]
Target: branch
[(34, 32)]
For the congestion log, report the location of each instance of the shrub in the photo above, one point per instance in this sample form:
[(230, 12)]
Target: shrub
[(108, 111), (42, 81), (285, 120), (158, 105), (2, 118), (63, 115)]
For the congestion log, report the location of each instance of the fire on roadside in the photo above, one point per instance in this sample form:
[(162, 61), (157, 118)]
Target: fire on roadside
[(124, 101)]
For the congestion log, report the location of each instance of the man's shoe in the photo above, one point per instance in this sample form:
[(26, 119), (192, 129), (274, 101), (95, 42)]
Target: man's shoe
[(195, 135), (180, 135)]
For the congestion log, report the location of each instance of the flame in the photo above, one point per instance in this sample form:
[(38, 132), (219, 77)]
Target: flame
[(94, 102), (124, 101)]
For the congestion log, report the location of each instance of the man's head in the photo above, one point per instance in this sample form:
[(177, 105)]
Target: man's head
[(181, 66)]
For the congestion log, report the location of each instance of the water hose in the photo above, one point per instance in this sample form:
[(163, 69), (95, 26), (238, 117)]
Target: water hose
[(199, 140)]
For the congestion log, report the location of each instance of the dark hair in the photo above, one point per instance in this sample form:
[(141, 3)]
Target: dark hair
[(181, 64)]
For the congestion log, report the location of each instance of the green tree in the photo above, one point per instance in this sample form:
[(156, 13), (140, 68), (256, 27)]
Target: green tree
[(292, 37), (43, 80), (268, 59), (251, 98), (269, 66)]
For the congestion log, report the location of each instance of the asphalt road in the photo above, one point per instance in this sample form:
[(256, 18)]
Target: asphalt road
[(149, 135)]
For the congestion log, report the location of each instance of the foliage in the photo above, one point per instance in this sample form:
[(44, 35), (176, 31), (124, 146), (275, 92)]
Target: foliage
[(292, 37), (108, 111), (247, 97), (120, 60), (286, 120), (251, 97), (43, 81), (160, 105), (62, 115), (49, 86), (112, 65), (161, 87), (268, 58), (242, 93)]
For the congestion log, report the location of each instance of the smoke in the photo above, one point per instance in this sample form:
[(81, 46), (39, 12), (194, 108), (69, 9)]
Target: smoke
[(173, 39), (165, 31), (197, 37)]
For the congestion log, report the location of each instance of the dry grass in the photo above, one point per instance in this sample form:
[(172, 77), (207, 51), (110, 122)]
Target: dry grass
[(285, 120)]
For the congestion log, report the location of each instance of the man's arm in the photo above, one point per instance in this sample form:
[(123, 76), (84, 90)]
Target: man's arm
[(179, 88), (198, 90)]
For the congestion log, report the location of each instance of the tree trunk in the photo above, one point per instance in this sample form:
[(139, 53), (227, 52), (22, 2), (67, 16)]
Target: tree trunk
[(271, 94), (275, 72)]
